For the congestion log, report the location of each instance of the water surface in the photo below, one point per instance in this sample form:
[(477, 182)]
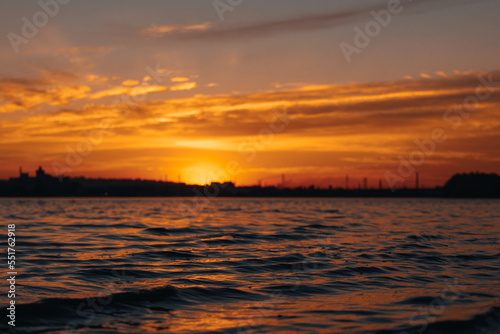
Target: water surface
[(255, 265)]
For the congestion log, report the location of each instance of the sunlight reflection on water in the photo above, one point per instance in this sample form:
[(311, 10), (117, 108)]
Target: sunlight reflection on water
[(261, 265)]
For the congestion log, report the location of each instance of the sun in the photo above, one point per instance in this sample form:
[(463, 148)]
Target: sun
[(203, 173)]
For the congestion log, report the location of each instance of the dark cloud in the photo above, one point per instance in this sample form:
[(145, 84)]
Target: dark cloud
[(306, 23), (311, 22), (369, 108)]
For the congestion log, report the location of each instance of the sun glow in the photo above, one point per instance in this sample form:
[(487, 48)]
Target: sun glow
[(204, 173)]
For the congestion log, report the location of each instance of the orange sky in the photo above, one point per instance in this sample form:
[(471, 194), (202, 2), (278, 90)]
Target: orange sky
[(183, 100)]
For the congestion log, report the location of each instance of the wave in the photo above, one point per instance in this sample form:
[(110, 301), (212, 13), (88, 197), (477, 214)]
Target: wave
[(484, 323), (159, 231), (55, 313)]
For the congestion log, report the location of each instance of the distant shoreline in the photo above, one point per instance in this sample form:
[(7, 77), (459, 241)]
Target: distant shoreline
[(472, 185), (244, 196)]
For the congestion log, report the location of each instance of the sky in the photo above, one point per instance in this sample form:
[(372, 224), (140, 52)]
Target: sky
[(248, 91)]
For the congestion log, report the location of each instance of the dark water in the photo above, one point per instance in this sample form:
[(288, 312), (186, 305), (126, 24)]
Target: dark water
[(255, 265)]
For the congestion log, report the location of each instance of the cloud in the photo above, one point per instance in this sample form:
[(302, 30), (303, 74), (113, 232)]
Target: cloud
[(212, 32), (140, 90), (304, 23), (179, 79), (341, 126), (23, 94), (130, 82), (400, 108), (132, 91), (184, 86), (94, 78), (208, 32), (155, 31)]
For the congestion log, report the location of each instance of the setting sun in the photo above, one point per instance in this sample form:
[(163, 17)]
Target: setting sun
[(203, 173)]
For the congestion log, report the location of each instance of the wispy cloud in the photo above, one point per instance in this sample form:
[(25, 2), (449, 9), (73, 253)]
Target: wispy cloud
[(364, 109), (155, 31), (208, 32), (352, 124), (23, 94), (184, 86), (56, 88), (179, 79), (133, 91), (304, 23)]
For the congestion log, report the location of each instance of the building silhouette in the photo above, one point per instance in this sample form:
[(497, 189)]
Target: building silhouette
[(43, 184)]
